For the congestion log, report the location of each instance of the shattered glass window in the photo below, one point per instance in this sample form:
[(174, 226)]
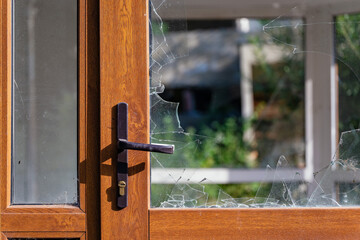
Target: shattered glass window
[(250, 104)]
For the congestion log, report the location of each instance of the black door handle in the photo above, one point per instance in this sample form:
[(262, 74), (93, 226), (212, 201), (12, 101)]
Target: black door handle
[(123, 145), (160, 148)]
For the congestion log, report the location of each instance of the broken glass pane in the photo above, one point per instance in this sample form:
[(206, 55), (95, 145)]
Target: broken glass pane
[(347, 30), (161, 53), (241, 109), (336, 185)]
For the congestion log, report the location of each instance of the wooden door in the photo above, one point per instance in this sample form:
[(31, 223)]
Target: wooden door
[(124, 77), (80, 219), (124, 51)]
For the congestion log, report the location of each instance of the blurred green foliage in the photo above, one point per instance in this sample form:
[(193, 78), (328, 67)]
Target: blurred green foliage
[(347, 29), (223, 145)]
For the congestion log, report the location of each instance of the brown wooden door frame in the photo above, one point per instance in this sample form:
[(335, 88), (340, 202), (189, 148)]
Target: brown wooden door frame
[(124, 62), (50, 221)]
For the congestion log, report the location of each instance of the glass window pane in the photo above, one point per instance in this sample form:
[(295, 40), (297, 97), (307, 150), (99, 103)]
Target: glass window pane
[(237, 95), (221, 92), (241, 94), (44, 106), (348, 58)]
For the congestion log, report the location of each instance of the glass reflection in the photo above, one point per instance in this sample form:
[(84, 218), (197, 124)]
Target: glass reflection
[(44, 77), (253, 107)]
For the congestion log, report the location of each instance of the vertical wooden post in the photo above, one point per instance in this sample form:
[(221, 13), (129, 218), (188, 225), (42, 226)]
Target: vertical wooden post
[(124, 78)]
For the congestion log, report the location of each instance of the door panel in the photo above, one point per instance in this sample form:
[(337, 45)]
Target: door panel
[(44, 123), (81, 214), (119, 59), (254, 223), (123, 63), (124, 77), (41, 236)]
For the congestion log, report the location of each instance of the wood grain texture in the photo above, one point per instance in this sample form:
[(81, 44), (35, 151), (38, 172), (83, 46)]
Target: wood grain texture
[(43, 222), (19, 209), (80, 235), (124, 78), (316, 223), (3, 58), (92, 162), (5, 91), (82, 120), (58, 218)]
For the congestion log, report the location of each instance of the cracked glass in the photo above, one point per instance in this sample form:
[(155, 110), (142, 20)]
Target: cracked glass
[(261, 111), (44, 102)]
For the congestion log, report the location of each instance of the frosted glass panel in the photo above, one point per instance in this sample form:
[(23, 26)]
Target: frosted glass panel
[(44, 105)]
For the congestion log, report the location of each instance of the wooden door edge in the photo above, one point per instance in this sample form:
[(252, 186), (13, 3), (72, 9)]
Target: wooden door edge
[(294, 223)]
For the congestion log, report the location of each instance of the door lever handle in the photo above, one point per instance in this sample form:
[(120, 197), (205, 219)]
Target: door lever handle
[(123, 145)]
